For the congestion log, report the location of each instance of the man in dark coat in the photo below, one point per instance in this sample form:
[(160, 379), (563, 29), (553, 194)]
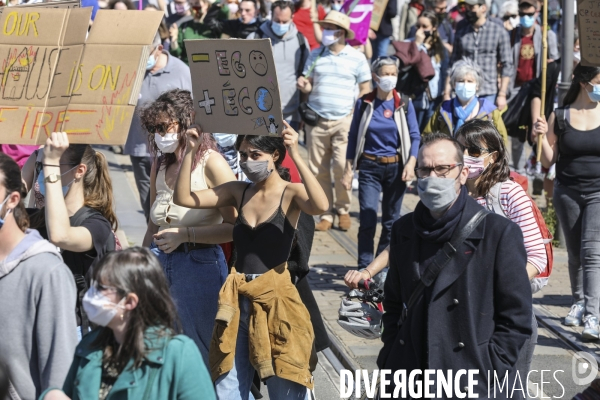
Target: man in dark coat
[(476, 315)]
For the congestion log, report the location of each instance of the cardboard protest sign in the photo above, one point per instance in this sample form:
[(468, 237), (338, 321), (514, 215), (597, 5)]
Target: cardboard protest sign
[(378, 12), (588, 17), (235, 86), (47, 4), (53, 80), (359, 12)]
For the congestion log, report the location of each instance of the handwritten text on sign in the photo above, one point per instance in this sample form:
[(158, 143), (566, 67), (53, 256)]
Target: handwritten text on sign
[(235, 86), (588, 15)]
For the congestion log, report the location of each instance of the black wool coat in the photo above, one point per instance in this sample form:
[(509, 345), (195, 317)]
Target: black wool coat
[(475, 315)]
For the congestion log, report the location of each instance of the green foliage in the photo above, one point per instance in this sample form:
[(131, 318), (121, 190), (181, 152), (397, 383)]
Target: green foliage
[(550, 218)]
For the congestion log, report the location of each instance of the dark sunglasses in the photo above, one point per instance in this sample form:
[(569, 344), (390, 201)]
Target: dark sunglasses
[(476, 151), (507, 17), (522, 14)]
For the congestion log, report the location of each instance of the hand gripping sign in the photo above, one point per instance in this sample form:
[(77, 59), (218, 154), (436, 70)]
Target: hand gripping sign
[(53, 79), (235, 86)]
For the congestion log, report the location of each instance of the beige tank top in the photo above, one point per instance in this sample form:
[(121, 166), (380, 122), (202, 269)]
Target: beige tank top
[(165, 214)]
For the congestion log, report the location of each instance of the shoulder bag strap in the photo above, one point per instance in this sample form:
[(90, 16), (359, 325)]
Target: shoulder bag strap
[(300, 38), (443, 257), (312, 66)]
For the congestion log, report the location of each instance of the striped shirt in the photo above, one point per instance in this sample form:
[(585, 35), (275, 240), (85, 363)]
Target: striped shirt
[(517, 207), (335, 77)]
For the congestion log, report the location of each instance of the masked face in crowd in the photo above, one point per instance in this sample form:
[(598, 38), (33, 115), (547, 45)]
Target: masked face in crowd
[(440, 10), (440, 176), (167, 140), (281, 21), (247, 12), (527, 15), (331, 34), (474, 12), (386, 77), (477, 158), (256, 164), (337, 4), (592, 89)]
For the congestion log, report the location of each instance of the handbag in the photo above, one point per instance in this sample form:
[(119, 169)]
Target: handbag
[(308, 115), (441, 258)]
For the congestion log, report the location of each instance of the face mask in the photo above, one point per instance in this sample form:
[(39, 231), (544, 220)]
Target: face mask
[(151, 62), (476, 165), (441, 16), (471, 16), (280, 29), (437, 194), (42, 184), (167, 143), (8, 212), (595, 93), (387, 83), (99, 309), (329, 37), (514, 21), (527, 21), (577, 55), (465, 90), (427, 34), (233, 8), (181, 8), (336, 6), (256, 171)]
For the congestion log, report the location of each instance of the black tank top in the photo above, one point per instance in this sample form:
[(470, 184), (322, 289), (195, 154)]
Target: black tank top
[(267, 245)]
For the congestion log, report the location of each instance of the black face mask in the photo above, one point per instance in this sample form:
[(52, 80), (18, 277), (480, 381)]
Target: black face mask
[(471, 16), (442, 16)]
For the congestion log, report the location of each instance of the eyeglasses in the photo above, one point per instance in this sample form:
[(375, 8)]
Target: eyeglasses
[(476, 151), (507, 17), (522, 14), (440, 170)]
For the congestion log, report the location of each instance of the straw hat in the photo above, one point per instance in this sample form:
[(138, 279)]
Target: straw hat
[(339, 19)]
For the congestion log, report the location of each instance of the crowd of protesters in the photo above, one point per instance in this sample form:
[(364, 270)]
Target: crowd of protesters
[(215, 302)]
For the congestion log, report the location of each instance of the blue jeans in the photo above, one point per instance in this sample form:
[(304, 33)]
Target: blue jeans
[(579, 216), (380, 45), (195, 279), (235, 384), (373, 179)]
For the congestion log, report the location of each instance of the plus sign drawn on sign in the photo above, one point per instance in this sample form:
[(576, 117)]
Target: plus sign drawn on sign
[(207, 103)]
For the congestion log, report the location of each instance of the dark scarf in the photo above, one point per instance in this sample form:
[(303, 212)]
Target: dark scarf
[(439, 230)]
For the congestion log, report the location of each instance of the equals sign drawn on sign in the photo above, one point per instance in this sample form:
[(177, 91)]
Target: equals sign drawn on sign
[(202, 57)]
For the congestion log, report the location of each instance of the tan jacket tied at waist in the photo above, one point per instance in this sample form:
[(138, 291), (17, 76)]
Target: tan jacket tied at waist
[(281, 335)]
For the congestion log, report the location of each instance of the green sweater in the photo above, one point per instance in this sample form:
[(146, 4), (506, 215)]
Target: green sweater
[(189, 30), (174, 368)]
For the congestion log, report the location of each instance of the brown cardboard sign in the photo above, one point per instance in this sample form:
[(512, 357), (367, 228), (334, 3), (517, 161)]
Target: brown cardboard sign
[(588, 17), (47, 4), (235, 86), (52, 79), (378, 12)]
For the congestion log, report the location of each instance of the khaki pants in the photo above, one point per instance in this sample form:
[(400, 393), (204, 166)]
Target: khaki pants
[(327, 144)]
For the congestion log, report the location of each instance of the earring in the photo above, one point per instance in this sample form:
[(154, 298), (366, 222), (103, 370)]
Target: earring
[(122, 317)]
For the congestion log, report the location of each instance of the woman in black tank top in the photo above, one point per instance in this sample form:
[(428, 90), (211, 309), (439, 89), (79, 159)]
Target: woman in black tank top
[(571, 139), (263, 234)]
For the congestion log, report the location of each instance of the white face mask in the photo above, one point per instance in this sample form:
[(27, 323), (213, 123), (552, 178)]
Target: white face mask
[(387, 83), (99, 309), (329, 37), (167, 143), (514, 21)]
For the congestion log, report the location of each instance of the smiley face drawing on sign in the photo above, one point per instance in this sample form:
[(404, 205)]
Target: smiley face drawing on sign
[(258, 62)]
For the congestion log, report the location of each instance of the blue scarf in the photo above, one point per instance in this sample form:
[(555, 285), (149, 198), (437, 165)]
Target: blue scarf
[(463, 113)]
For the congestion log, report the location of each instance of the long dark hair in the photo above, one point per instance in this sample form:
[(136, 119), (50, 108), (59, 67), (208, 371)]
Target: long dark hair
[(10, 177), (175, 105), (136, 270), (581, 74), (477, 131), (437, 46), (97, 185), (268, 144)]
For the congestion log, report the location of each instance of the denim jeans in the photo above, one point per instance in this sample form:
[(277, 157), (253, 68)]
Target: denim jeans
[(380, 45), (235, 384), (195, 279), (579, 217), (373, 179)]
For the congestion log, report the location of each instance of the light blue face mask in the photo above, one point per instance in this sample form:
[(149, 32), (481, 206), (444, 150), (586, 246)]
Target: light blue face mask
[(595, 93), (8, 212), (151, 61), (42, 184), (527, 21), (280, 29), (465, 90), (336, 6)]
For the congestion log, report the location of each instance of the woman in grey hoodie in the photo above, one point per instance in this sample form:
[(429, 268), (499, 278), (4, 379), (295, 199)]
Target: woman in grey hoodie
[(37, 297)]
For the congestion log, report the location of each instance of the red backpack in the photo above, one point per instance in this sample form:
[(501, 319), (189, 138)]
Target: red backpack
[(493, 201)]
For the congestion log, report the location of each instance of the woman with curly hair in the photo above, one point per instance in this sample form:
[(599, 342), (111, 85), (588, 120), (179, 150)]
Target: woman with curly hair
[(186, 240)]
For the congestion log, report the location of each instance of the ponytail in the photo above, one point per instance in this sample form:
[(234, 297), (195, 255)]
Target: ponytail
[(11, 179)]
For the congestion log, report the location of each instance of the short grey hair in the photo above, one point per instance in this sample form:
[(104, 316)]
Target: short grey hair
[(381, 62), (510, 7), (463, 68)]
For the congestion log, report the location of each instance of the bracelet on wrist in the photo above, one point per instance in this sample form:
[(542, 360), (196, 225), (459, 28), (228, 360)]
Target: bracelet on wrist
[(366, 270)]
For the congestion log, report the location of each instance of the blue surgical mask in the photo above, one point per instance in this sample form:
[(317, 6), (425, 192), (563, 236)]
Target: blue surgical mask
[(151, 62), (465, 90), (336, 6), (595, 93), (42, 184), (527, 21), (8, 212), (280, 29)]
